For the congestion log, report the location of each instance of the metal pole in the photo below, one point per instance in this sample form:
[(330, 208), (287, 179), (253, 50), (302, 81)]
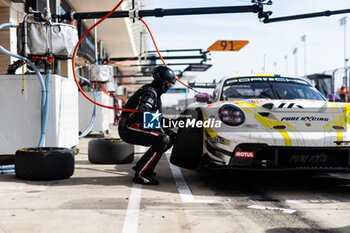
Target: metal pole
[(160, 12), (57, 11), (346, 71), (303, 39), (345, 58), (100, 47), (295, 52), (57, 8), (343, 23), (96, 51), (169, 64), (333, 81), (158, 58), (306, 16), (286, 59), (48, 10), (140, 42), (264, 67), (174, 50)]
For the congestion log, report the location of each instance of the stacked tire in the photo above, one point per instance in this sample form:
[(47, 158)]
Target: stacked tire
[(44, 163), (110, 151)]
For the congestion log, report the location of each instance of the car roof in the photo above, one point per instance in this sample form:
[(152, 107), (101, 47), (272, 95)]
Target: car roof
[(259, 75)]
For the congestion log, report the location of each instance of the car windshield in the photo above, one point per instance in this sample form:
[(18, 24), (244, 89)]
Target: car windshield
[(269, 87)]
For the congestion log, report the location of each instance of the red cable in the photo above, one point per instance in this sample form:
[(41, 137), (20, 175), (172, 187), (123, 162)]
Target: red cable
[(73, 62), (154, 42), (160, 55)]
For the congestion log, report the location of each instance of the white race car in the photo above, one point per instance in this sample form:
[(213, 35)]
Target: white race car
[(264, 122)]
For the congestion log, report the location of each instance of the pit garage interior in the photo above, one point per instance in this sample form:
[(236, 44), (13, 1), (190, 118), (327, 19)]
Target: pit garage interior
[(63, 166)]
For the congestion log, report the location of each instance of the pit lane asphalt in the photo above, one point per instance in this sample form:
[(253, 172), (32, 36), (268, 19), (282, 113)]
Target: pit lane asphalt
[(102, 198)]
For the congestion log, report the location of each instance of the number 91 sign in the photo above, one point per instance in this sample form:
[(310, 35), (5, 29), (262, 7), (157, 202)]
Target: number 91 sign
[(228, 45)]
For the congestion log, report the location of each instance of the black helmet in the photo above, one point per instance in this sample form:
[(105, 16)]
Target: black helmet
[(164, 78), (163, 73)]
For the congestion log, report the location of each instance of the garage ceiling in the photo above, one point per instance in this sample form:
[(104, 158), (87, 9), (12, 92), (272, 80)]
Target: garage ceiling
[(115, 33)]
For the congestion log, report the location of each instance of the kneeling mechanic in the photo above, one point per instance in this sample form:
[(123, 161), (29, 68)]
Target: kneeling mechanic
[(147, 99)]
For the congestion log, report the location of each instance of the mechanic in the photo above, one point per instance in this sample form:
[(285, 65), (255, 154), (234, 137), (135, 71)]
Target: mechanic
[(343, 93), (147, 99)]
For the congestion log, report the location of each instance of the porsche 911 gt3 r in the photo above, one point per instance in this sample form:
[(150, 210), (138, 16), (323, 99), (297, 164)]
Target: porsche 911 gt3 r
[(267, 122)]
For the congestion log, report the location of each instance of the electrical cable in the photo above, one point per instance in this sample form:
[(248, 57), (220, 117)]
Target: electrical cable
[(161, 57), (73, 62), (104, 90)]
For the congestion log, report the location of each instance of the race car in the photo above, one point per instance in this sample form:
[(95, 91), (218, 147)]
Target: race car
[(264, 122)]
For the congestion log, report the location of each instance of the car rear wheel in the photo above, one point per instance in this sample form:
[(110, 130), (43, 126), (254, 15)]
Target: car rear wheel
[(44, 163), (188, 147), (110, 151)]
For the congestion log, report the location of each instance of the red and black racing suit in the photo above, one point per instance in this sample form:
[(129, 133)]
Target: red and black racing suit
[(131, 129)]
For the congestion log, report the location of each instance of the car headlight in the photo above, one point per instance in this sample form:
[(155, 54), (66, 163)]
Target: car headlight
[(231, 115)]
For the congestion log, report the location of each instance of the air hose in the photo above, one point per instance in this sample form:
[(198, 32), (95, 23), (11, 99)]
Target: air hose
[(93, 117), (45, 111), (41, 80), (7, 169)]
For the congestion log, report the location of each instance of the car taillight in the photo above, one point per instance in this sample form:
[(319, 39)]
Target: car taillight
[(231, 115)]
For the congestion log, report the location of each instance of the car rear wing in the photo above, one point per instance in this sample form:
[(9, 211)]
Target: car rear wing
[(203, 84)]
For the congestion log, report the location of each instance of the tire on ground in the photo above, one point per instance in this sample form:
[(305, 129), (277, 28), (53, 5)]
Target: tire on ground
[(110, 151), (44, 163), (188, 147)]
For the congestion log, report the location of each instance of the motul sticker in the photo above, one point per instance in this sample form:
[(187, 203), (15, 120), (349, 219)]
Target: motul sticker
[(244, 154)]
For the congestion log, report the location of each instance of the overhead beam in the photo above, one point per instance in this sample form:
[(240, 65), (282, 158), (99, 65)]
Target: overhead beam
[(204, 57), (160, 12), (175, 50), (306, 16)]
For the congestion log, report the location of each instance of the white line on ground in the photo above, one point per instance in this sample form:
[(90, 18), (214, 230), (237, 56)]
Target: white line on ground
[(184, 191), (187, 196), (131, 221)]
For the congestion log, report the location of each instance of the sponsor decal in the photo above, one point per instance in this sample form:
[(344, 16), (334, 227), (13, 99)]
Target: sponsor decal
[(244, 154), (290, 105), (257, 101), (151, 120), (305, 118), (308, 124), (263, 79), (215, 140), (313, 160), (250, 126)]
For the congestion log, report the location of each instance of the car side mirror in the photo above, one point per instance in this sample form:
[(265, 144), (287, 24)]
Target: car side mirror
[(333, 98), (202, 97)]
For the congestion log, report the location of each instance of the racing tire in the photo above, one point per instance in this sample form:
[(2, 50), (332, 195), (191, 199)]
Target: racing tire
[(44, 163), (188, 147), (110, 151)]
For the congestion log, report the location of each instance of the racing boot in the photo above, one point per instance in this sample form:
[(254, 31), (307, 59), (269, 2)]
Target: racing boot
[(145, 180), (152, 173)]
